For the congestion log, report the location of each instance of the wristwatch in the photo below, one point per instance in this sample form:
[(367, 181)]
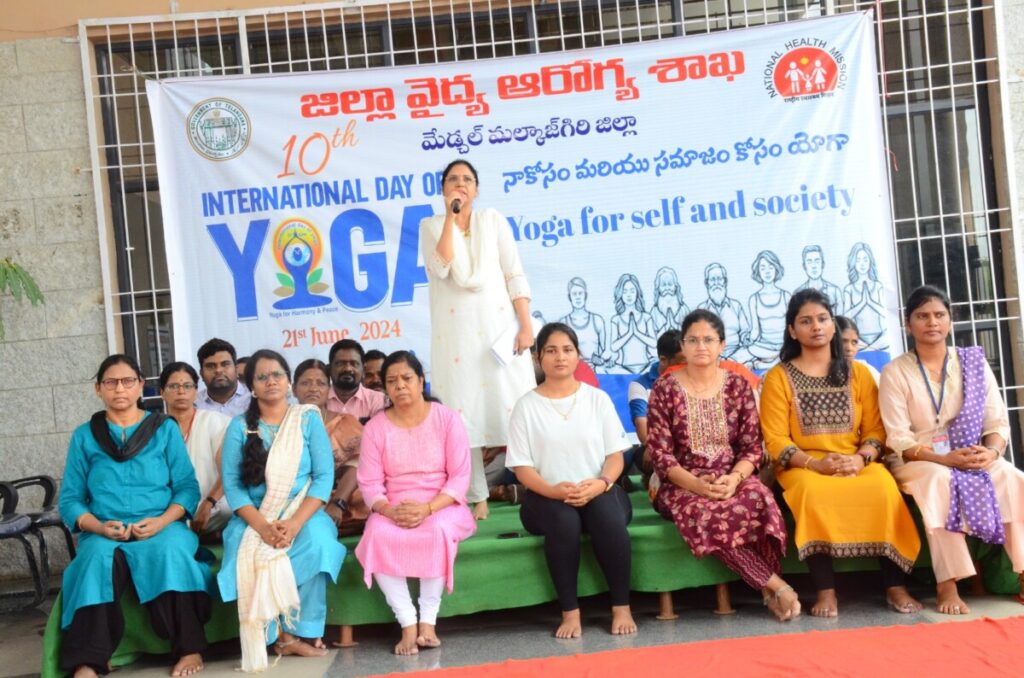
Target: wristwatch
[(213, 502)]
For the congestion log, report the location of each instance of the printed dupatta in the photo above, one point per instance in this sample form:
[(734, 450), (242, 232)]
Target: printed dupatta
[(973, 508)]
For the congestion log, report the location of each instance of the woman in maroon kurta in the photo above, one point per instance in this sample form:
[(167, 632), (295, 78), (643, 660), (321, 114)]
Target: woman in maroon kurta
[(704, 437)]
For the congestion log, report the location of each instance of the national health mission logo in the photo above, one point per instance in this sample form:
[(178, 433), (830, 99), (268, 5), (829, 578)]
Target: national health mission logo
[(808, 68), (298, 249), (218, 129)]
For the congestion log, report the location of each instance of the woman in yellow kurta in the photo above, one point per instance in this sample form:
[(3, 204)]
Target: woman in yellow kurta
[(821, 424)]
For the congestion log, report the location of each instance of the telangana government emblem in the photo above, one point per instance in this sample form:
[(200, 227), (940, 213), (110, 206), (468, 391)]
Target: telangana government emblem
[(218, 129)]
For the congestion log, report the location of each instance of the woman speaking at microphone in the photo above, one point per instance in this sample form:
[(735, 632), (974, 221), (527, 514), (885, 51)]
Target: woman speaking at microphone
[(478, 292)]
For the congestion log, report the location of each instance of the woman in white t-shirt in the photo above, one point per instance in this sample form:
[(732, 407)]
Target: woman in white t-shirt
[(565, 445)]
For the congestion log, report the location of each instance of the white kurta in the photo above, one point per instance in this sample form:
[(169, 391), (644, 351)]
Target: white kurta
[(470, 307)]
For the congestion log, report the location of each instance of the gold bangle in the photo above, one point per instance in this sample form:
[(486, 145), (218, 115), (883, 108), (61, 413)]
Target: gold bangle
[(807, 464)]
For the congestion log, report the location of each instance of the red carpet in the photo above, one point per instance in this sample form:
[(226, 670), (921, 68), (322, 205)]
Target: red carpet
[(985, 647)]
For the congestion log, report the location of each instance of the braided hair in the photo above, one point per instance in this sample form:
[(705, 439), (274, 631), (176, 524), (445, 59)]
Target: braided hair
[(254, 452)]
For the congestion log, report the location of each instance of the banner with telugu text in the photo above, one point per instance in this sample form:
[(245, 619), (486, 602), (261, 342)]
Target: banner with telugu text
[(721, 171)]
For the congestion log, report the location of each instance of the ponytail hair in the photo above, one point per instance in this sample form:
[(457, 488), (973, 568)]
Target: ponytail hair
[(254, 452)]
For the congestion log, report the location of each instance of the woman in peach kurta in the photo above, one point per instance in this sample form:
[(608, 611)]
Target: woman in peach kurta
[(413, 471), (819, 415), (913, 424), (478, 290)]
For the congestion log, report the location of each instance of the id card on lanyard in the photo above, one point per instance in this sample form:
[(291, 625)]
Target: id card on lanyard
[(940, 439)]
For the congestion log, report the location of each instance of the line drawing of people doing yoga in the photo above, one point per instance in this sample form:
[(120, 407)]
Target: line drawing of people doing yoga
[(634, 343), (767, 311)]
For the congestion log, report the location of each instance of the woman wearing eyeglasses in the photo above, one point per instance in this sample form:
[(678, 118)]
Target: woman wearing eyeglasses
[(704, 437), (280, 548), (203, 431), (478, 292), (128, 489)]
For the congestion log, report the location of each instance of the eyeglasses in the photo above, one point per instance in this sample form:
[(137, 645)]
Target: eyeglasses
[(181, 387), (126, 383), (706, 341), (465, 179), (276, 375)]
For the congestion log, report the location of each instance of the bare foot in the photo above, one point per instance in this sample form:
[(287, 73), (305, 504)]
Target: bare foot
[(570, 626), (900, 600), (288, 645), (407, 645), (826, 604), (480, 511), (783, 602), (84, 671), (428, 636), (622, 621), (187, 665), (949, 601)]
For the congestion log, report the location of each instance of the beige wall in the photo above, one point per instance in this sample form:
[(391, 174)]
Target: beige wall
[(47, 224)]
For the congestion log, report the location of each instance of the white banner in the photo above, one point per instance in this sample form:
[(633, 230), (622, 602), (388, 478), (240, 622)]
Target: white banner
[(722, 171)]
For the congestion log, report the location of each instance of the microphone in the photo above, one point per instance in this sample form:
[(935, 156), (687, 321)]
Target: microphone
[(456, 206)]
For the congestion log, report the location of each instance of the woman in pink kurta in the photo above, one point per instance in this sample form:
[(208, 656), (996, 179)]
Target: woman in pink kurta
[(414, 472)]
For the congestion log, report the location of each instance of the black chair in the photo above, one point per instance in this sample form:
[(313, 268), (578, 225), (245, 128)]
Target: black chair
[(15, 526), (47, 516)]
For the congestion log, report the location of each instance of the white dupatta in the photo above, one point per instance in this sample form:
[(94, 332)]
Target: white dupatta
[(266, 583), (464, 268)]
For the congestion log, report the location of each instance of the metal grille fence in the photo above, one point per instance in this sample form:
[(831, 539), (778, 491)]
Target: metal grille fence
[(950, 189)]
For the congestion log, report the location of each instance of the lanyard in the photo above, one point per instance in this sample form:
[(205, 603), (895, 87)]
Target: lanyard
[(928, 385)]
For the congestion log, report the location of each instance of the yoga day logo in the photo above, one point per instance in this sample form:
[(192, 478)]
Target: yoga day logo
[(298, 249)]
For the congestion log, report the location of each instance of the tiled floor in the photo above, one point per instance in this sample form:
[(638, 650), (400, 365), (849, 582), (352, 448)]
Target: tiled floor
[(525, 633)]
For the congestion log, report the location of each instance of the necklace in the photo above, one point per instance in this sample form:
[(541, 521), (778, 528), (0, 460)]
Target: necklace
[(564, 415), (465, 233), (695, 387)]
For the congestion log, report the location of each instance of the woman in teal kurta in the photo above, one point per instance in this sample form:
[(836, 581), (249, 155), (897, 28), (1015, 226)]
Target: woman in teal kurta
[(309, 535), (128, 488)]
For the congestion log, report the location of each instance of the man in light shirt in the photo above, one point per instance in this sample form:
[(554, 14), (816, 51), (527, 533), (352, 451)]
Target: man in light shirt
[(222, 391)]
